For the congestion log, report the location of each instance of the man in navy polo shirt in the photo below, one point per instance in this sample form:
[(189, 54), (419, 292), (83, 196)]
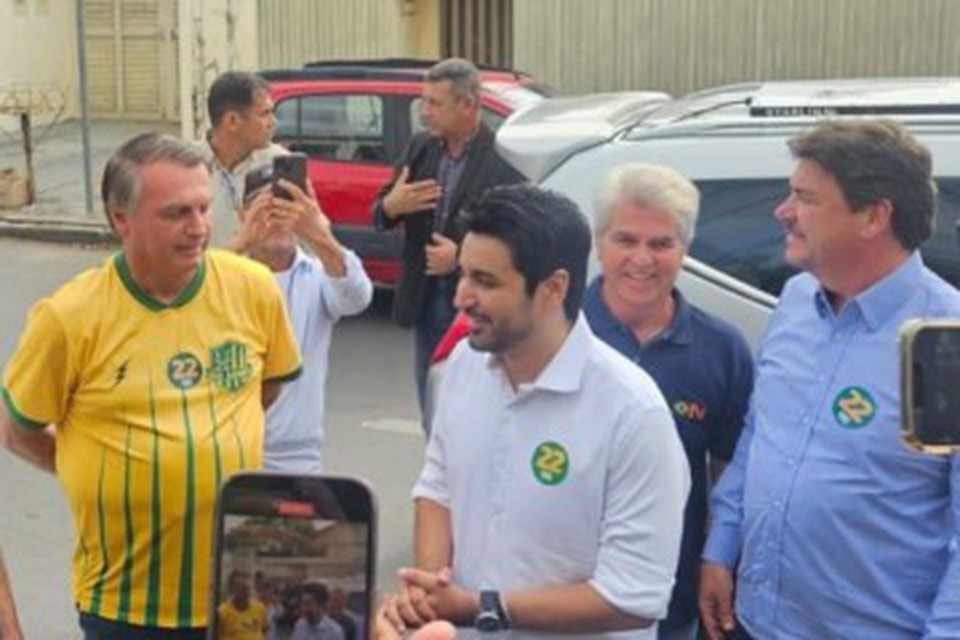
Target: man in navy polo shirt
[(644, 219)]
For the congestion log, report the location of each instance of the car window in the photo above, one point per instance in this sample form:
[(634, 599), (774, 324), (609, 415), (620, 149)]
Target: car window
[(346, 128), (942, 251), (737, 233)]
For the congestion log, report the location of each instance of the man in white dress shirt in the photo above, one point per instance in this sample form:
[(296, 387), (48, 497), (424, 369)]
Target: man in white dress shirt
[(552, 496)]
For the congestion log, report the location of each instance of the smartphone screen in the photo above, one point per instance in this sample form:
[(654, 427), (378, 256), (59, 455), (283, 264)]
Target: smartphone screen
[(291, 167), (294, 555), (936, 384)]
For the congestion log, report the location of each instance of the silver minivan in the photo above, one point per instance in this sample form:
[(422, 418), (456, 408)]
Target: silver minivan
[(731, 142)]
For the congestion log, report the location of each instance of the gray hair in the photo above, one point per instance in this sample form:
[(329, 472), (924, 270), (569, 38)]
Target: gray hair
[(649, 185), (462, 74), (120, 188)]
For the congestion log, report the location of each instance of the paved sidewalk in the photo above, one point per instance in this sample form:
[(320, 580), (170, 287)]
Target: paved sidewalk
[(59, 214)]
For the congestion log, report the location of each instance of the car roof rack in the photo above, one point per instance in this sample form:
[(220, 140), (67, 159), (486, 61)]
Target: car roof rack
[(783, 101), (888, 96), (341, 73), (371, 69)]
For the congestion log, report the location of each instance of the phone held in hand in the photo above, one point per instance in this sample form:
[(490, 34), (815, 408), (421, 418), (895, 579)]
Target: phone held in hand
[(293, 168), (256, 180), (930, 385), (293, 550)]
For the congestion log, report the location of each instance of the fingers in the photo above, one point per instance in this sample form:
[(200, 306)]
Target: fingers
[(427, 580), (441, 241), (439, 630), (424, 192), (296, 193), (389, 624), (441, 255), (414, 607), (716, 600), (404, 176)]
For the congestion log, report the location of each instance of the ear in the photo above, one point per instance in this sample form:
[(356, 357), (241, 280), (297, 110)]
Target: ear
[(231, 119), (554, 288), (878, 219), (120, 222)]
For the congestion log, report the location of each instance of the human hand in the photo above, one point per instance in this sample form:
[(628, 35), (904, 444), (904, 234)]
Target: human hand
[(12, 632), (301, 212), (716, 600), (439, 630), (410, 197), (441, 255), (444, 599), (254, 222)]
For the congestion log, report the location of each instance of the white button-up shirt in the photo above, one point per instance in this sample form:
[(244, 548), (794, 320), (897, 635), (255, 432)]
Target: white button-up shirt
[(577, 477), (315, 301)]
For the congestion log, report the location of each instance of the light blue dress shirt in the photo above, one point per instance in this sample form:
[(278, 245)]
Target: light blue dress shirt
[(840, 530), (315, 301)]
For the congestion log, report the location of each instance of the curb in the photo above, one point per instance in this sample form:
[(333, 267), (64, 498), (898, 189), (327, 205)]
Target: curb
[(58, 230)]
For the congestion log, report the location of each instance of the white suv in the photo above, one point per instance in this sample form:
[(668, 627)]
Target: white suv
[(731, 142)]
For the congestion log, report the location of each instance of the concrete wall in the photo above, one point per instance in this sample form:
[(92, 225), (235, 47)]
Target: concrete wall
[(682, 45), (215, 36), (38, 47), (296, 31)]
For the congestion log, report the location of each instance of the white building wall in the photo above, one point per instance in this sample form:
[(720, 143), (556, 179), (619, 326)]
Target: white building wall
[(38, 47), (215, 36)]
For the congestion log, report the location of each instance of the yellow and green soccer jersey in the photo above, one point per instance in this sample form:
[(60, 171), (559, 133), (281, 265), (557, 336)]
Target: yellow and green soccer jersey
[(154, 405), (248, 624)]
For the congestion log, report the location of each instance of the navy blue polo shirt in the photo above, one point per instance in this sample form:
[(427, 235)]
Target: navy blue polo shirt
[(704, 368)]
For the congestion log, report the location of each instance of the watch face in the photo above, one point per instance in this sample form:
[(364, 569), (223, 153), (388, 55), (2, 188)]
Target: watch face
[(488, 622)]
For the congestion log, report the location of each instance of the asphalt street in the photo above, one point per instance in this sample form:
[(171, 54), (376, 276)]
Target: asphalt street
[(371, 433)]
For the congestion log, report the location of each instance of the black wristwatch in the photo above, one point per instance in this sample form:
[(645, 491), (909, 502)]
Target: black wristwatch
[(492, 617)]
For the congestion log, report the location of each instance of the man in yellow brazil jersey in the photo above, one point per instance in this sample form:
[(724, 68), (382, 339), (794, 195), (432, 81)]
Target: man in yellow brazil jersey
[(142, 383)]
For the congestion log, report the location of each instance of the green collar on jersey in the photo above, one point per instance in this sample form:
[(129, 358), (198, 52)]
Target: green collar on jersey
[(152, 304)]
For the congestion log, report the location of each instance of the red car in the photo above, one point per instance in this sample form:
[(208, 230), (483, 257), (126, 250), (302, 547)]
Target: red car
[(354, 119)]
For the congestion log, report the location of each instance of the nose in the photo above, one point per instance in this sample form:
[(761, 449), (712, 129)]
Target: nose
[(784, 209), (641, 254), (463, 294), (199, 222)]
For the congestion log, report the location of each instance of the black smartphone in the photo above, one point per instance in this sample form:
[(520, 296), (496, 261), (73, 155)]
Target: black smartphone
[(930, 385), (293, 555), (256, 180), (291, 167)]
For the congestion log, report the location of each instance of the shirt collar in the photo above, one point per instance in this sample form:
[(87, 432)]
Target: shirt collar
[(301, 261), (565, 370), (467, 148), (678, 332), (211, 156), (883, 299)]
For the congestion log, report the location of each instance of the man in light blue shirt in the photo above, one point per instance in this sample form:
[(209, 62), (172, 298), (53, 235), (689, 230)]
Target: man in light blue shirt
[(318, 290), (834, 528)]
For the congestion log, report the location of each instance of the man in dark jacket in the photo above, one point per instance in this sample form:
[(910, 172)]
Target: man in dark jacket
[(442, 169)]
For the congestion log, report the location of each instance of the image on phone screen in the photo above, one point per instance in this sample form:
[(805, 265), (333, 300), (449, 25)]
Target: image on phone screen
[(294, 558)]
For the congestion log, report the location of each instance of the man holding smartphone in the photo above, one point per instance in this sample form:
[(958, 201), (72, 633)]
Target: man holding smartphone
[(141, 384), (319, 288), (239, 141), (442, 169), (552, 496)]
